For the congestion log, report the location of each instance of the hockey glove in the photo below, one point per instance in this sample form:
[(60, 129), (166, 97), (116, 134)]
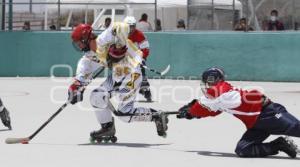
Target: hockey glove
[(75, 92), (184, 111)]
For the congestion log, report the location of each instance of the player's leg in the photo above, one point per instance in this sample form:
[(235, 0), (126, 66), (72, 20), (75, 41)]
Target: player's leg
[(274, 119), (100, 101), (127, 112), (250, 145), (145, 86), (4, 115)]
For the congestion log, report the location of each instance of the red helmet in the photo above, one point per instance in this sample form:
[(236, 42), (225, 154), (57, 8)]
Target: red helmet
[(82, 32)]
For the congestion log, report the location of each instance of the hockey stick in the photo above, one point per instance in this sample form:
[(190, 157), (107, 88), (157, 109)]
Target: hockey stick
[(164, 72), (25, 140), (171, 112)]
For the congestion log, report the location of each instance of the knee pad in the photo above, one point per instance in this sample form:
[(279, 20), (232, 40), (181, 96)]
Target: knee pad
[(238, 151), (241, 149), (99, 98)]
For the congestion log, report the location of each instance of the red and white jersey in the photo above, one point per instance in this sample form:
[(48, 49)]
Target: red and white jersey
[(243, 104), (141, 41)]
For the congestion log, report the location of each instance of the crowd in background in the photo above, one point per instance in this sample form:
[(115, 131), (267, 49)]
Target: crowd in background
[(273, 24)]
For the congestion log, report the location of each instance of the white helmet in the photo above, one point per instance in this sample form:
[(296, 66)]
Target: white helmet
[(130, 20)]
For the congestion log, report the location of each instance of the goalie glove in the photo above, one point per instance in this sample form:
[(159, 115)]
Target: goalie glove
[(184, 111), (75, 92)]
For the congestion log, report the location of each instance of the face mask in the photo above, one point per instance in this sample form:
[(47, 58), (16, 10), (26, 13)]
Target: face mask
[(273, 18)]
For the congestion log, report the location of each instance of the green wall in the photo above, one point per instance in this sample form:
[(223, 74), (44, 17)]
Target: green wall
[(34, 53), (259, 56)]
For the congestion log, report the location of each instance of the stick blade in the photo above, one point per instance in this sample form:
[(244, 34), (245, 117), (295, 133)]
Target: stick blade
[(17, 140), (165, 71)]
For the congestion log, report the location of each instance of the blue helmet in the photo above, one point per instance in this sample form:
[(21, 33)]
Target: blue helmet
[(212, 76)]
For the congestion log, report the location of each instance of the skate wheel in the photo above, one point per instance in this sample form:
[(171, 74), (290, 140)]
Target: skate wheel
[(106, 140), (99, 140), (162, 134), (114, 139), (92, 140)]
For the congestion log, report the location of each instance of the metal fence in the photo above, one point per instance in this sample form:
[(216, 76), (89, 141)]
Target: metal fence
[(225, 15), (258, 13), (59, 14), (200, 14)]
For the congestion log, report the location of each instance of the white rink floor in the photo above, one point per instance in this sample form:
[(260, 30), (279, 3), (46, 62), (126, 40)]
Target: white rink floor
[(65, 141)]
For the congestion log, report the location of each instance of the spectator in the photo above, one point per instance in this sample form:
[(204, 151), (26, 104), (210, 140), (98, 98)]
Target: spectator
[(143, 24), (26, 26), (107, 22), (180, 25), (158, 25), (274, 24), (52, 27), (242, 26)]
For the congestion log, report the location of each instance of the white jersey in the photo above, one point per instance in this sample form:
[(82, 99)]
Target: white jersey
[(124, 81), (86, 66), (122, 70), (144, 26)]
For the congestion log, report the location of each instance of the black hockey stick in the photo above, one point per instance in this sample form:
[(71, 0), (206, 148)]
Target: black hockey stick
[(164, 72), (171, 112), (25, 140)]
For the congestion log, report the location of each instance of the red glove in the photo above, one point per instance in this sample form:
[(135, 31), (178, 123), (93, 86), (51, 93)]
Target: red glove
[(75, 92)]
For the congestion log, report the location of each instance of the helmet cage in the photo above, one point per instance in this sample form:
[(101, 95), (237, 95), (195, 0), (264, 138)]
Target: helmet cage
[(210, 78)]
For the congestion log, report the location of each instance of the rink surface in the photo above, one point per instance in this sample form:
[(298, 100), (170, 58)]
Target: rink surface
[(65, 141)]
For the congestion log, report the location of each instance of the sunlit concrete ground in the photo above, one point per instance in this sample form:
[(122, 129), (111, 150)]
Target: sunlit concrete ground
[(65, 141)]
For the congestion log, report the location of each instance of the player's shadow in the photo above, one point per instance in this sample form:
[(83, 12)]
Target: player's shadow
[(133, 145), (231, 155)]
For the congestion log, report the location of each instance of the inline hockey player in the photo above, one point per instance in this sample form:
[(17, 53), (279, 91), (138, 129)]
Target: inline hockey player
[(139, 39), (112, 49), (4, 115), (261, 116)]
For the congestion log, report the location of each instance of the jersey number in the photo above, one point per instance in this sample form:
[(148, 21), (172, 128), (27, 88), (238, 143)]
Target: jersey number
[(134, 77)]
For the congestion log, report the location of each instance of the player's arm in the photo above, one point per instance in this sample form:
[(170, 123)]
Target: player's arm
[(143, 45), (195, 109), (86, 66), (134, 52), (205, 107)]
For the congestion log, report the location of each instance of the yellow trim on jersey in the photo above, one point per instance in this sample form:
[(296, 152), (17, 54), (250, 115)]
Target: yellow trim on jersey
[(102, 53), (136, 52)]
